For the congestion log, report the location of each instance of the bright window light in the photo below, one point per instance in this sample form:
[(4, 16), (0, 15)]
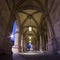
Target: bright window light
[(12, 36), (29, 37), (30, 41), (30, 28)]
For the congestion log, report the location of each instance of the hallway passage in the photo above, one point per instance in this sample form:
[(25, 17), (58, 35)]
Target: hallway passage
[(35, 56), (37, 28)]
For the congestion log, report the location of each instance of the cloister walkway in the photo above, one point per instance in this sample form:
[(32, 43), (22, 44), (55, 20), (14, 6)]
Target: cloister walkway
[(35, 56)]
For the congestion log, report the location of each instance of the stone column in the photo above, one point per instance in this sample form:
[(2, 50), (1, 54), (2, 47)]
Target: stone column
[(21, 42), (41, 45), (52, 46), (15, 48)]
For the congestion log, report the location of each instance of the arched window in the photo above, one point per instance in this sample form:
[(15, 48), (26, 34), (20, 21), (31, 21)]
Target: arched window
[(13, 33)]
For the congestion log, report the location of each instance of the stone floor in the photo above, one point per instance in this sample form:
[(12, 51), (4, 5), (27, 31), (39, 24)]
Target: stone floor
[(35, 56), (30, 56)]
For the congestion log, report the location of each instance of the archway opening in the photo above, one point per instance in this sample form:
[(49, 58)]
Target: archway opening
[(13, 34)]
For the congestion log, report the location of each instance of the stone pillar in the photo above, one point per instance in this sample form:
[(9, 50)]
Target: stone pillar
[(15, 48), (52, 46), (41, 45), (21, 42), (57, 32)]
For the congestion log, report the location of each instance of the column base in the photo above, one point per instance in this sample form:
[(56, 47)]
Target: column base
[(41, 51), (50, 47), (15, 49)]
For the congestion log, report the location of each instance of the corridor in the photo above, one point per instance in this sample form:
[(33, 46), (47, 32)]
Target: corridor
[(29, 29)]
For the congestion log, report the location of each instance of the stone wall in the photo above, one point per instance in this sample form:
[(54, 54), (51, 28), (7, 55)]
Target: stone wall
[(5, 43), (54, 11)]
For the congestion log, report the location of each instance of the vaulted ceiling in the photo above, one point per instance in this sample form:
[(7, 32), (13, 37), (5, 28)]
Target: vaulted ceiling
[(29, 12)]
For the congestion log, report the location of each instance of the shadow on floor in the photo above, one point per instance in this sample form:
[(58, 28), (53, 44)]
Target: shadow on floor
[(6, 57), (29, 57)]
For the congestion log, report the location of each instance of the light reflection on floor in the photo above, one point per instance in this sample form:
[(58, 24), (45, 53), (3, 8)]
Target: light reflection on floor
[(31, 53), (15, 50)]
